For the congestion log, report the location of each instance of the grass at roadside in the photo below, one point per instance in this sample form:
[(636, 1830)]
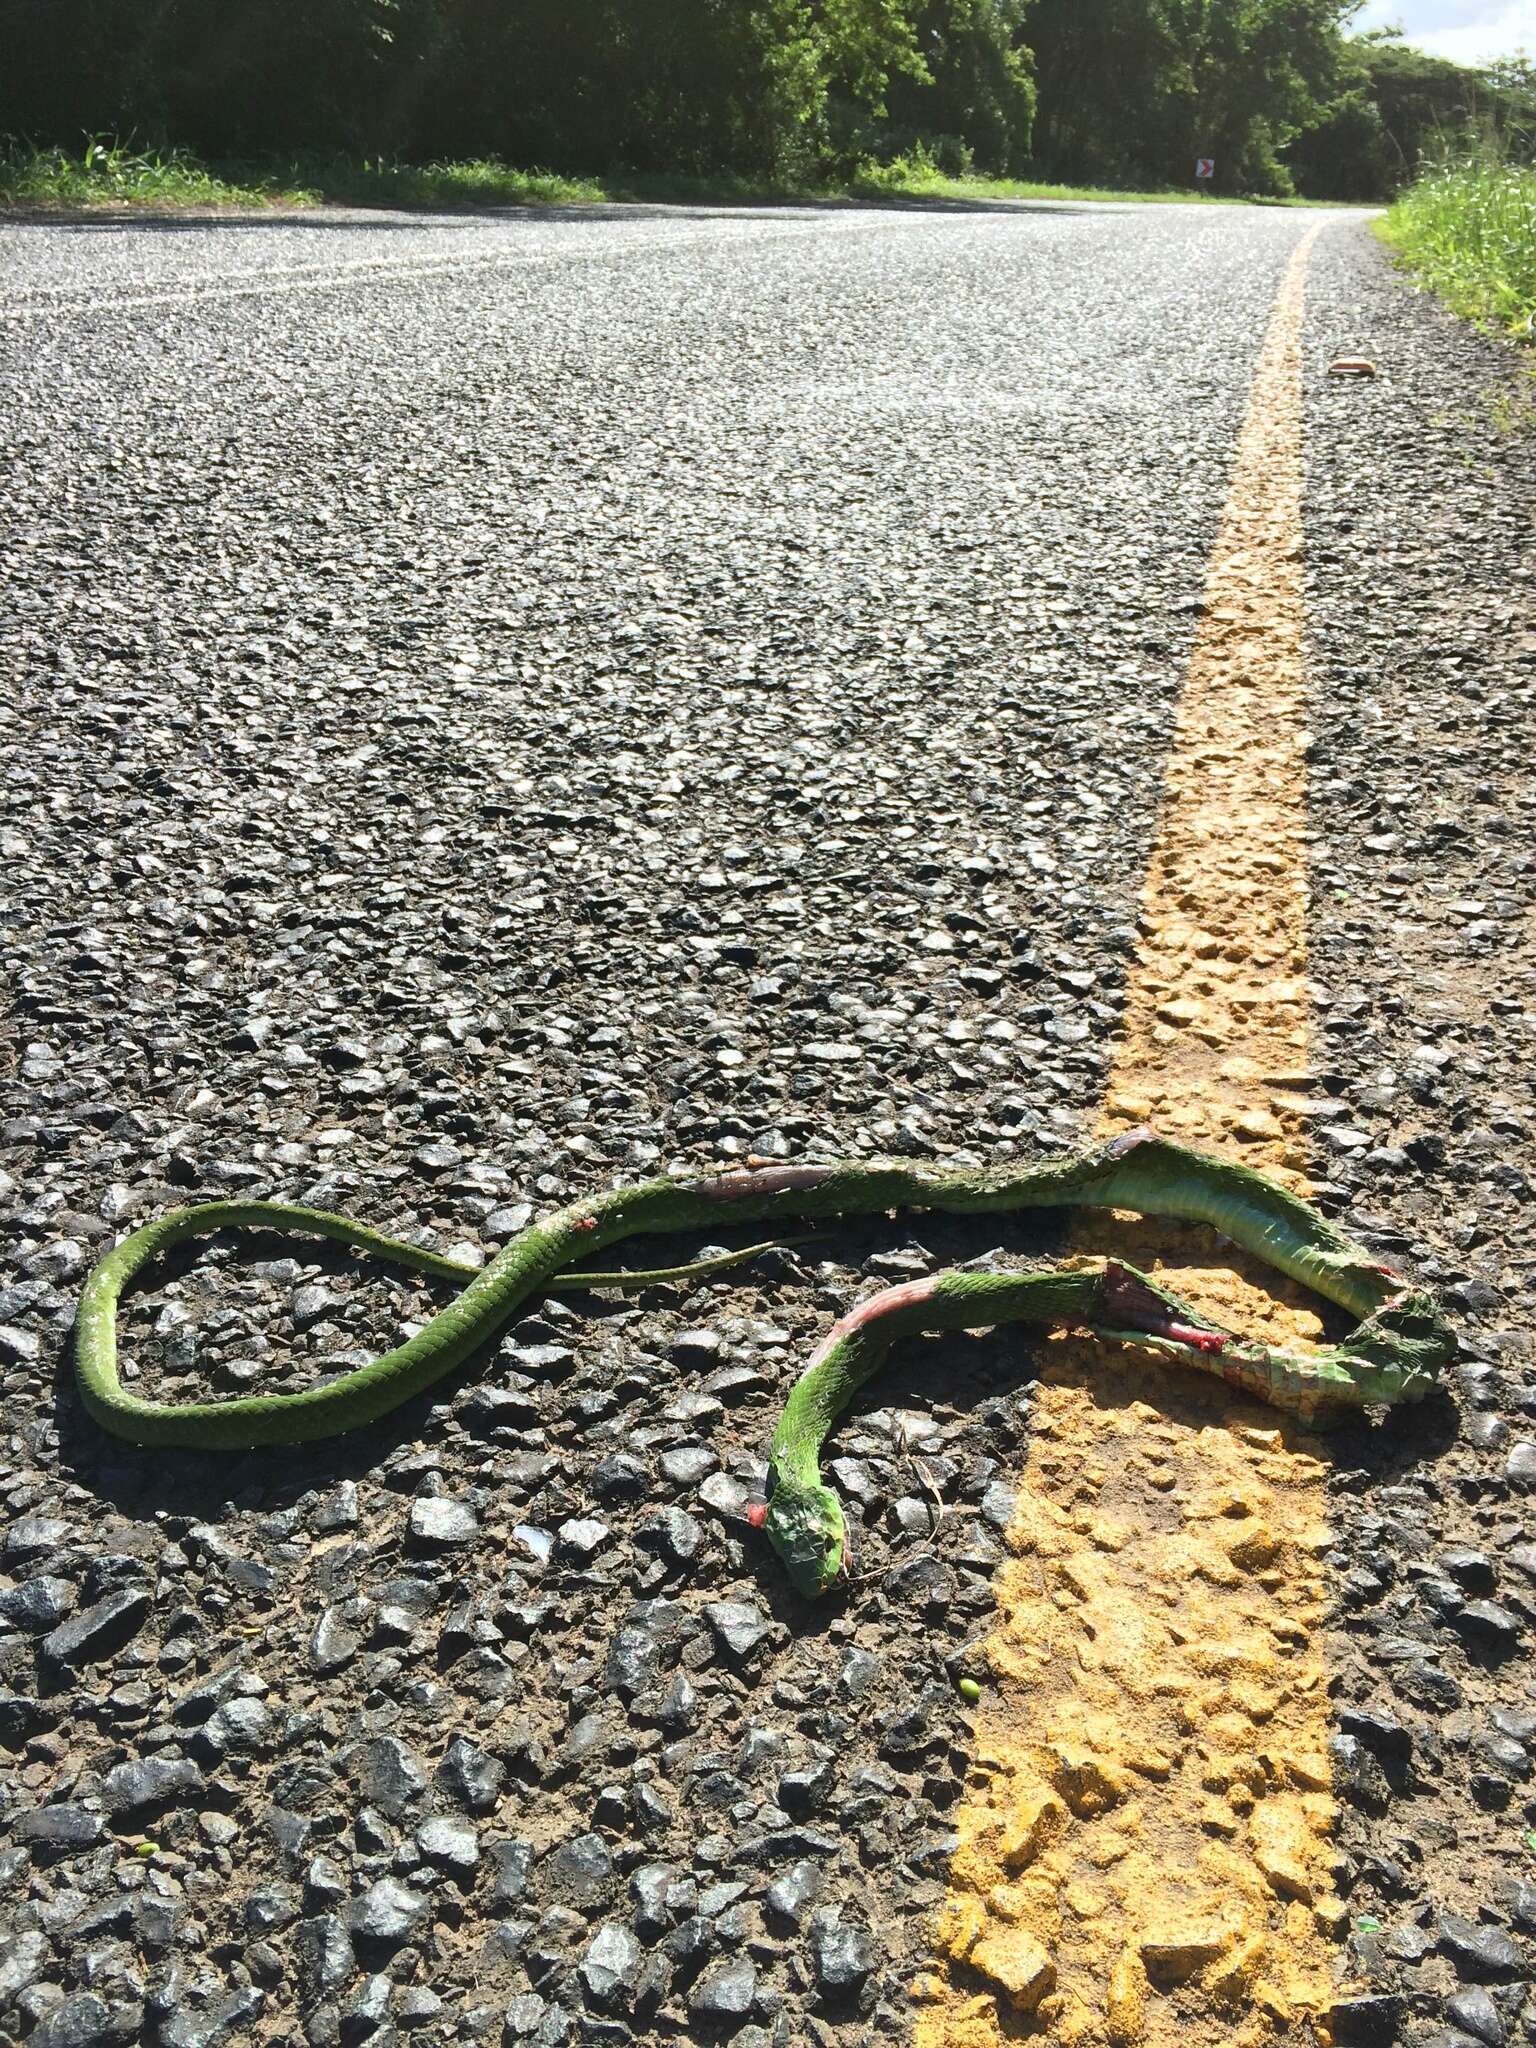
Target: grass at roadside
[(907, 180), (1469, 231), (103, 173)]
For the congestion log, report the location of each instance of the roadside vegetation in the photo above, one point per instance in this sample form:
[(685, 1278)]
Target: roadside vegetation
[(449, 101), (1468, 230), (104, 172), (108, 174)]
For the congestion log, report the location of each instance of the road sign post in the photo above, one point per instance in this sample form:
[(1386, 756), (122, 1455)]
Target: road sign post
[(1205, 168)]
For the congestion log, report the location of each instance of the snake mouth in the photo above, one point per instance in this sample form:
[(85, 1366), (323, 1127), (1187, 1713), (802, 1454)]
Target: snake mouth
[(1130, 1300)]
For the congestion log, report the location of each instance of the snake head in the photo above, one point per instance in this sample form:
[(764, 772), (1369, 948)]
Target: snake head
[(805, 1526), (1397, 1353)]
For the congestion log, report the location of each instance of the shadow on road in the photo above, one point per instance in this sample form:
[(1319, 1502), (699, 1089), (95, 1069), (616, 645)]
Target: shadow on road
[(382, 218)]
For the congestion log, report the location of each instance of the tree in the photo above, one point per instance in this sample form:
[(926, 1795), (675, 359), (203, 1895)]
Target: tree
[(1512, 86), (1428, 106), (978, 97), (1258, 71)]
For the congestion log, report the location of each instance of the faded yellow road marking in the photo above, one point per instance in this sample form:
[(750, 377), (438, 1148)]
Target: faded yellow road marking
[(1144, 1852)]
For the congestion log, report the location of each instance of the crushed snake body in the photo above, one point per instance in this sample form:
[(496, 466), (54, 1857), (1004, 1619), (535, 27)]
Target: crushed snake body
[(1393, 1356)]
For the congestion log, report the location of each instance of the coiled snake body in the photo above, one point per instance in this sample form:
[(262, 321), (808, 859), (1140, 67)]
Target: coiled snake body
[(1394, 1354)]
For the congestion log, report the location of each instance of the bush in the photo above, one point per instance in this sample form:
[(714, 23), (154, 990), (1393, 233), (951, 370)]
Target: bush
[(1469, 229)]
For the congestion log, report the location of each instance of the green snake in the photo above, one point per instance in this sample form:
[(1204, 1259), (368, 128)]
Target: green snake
[(1394, 1354)]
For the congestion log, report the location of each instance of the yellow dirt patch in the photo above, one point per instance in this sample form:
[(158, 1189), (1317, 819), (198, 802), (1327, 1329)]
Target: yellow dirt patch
[(1144, 1853)]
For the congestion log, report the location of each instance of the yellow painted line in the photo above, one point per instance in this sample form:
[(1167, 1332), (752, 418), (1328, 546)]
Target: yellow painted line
[(1144, 1845)]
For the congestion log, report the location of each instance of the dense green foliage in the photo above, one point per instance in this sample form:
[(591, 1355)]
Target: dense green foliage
[(1396, 109), (1469, 229), (786, 91), (1140, 88)]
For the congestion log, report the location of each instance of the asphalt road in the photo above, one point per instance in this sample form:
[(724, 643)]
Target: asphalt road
[(505, 703)]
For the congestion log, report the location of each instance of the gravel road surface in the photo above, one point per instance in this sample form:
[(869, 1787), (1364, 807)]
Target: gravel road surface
[(501, 704)]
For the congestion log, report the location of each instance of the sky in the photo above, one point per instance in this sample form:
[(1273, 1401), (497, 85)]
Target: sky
[(1466, 31)]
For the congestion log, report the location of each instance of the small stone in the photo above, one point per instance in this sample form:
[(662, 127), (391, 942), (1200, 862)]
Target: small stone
[(724, 1993), (152, 1783), (270, 1907), (155, 1921), (513, 1861), (997, 1506), (729, 1497), (620, 1477), (80, 2022), (913, 1518), (333, 1643), (442, 1524), (439, 1156), (679, 1708), (1035, 1819), (801, 1792), (634, 1660), (1520, 1465), (687, 1465), (611, 1966), (579, 1540), (857, 1673), (59, 1827), (696, 1348), (1172, 1955), (34, 1535), (842, 1957), (739, 1625), (324, 1952), (368, 2007), (1017, 1964), (580, 1868), (552, 1361), (418, 2006), (470, 1776), (672, 1533), (649, 1887), (1488, 1625), (1479, 1953), (389, 1774), (1471, 1569), (1476, 2014), (924, 1584), (790, 1893), (239, 1727), (99, 1630), (312, 1303), (449, 1844), (1381, 1732), (23, 1958), (388, 1912), (1357, 1776), (1088, 1784), (1371, 2020), (38, 1603), (338, 1510)]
